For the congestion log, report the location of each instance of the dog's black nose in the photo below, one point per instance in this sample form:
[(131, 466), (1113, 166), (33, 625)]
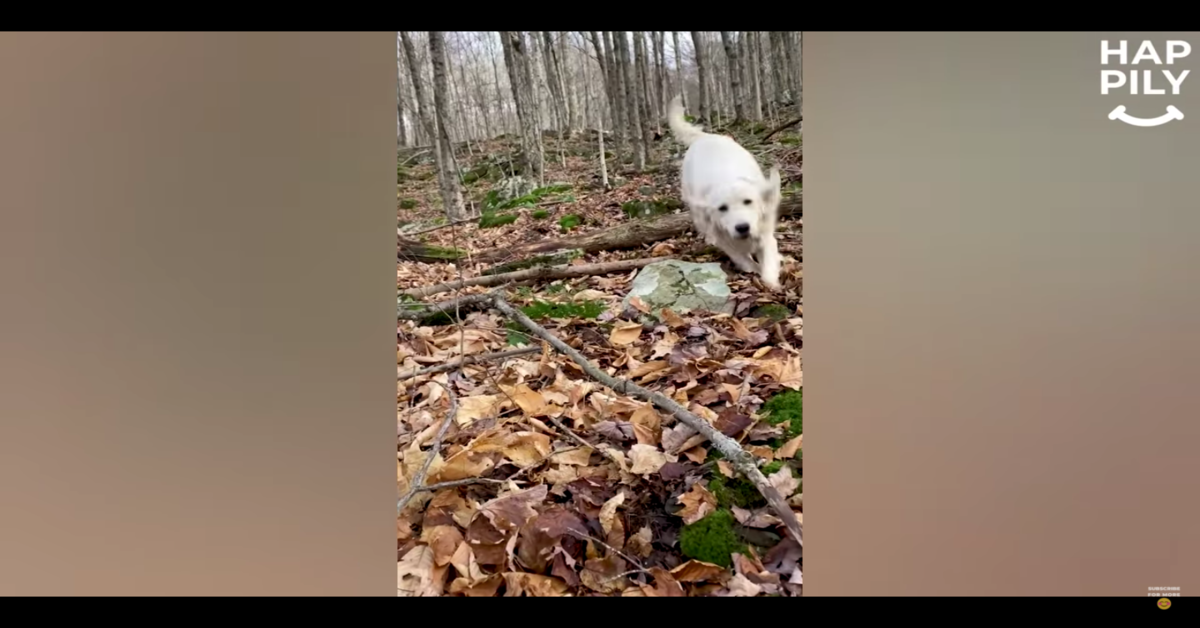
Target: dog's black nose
[(743, 228)]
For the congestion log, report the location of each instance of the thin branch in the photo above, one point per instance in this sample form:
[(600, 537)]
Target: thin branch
[(443, 226), (732, 451), (420, 311), (781, 127), (418, 480), (470, 359), (453, 483)]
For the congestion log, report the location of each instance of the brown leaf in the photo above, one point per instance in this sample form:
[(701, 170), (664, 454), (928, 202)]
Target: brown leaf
[(646, 459), (731, 423), (647, 425), (784, 557), (613, 526), (791, 375), (672, 319), (697, 503), (528, 400), (601, 574), (414, 572), (526, 448), (662, 249), (560, 568), (462, 465), (674, 437), (616, 430), (467, 567), (640, 543), (739, 586), (638, 304), (542, 535), (484, 588), (766, 453), (696, 454), (444, 540), (533, 585), (665, 585), (725, 468), (625, 334), (471, 409), (647, 368), (580, 457), (789, 449), (784, 481), (510, 512), (696, 571)]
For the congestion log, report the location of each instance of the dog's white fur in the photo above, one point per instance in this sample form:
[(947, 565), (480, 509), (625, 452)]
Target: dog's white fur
[(733, 205)]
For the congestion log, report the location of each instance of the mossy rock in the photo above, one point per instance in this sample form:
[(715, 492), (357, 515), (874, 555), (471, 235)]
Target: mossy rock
[(540, 214), (491, 221), (495, 200), (653, 207), (712, 539), (408, 203)]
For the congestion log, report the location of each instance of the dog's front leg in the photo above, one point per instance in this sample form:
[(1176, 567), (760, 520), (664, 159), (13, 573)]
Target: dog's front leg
[(770, 262), (744, 262)]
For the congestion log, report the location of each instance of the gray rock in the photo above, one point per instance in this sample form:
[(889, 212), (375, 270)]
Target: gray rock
[(682, 286), (514, 187)]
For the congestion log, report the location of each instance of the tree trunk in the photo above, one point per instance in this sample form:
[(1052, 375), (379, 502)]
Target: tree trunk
[(751, 64), (628, 235), (452, 199), (777, 68), (632, 97), (604, 62), (679, 75), (799, 69), (644, 93), (735, 81), (764, 74), (664, 82), (426, 112), (702, 71), (401, 130), (620, 97), (413, 251), (789, 57), (516, 58)]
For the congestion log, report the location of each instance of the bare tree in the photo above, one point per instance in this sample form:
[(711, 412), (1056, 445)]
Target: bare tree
[(645, 98), (702, 71), (735, 81), (633, 97), (607, 61), (778, 67), (401, 130), (679, 79), (424, 106), (452, 198), (750, 62), (516, 58)]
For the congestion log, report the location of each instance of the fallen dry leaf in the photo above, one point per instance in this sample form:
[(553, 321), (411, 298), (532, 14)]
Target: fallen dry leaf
[(638, 304), (739, 586), (697, 503), (414, 572), (603, 575), (471, 409), (444, 541), (533, 585), (625, 334), (513, 510), (696, 571), (580, 456), (784, 481), (665, 584), (614, 528), (646, 459), (789, 449), (725, 468), (640, 543)]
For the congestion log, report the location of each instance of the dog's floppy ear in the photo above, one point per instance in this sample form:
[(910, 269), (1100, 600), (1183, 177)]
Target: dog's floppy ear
[(771, 188)]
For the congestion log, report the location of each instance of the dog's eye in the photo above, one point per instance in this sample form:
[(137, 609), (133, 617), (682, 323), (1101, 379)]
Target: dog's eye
[(722, 208), (746, 202)]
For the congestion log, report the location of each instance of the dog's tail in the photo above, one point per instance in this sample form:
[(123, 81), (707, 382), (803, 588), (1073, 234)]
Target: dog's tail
[(683, 130)]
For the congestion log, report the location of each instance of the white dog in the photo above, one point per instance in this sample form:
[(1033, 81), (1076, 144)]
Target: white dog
[(733, 205)]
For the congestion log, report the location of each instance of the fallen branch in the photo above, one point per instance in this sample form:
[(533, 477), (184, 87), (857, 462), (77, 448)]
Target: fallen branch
[(439, 227), (786, 125), (629, 235), (418, 480), (729, 448), (531, 274), (422, 311), (470, 359), (413, 251)]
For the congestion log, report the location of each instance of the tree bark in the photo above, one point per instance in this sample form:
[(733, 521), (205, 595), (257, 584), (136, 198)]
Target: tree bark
[(516, 58), (777, 67), (428, 119), (452, 199), (680, 78), (735, 80), (413, 251), (702, 71), (750, 63), (632, 96), (620, 97), (401, 130), (642, 65), (789, 57), (605, 61), (627, 235)]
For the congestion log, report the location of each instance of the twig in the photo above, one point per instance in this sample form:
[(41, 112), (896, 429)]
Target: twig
[(732, 451), (782, 127), (453, 483), (633, 561), (541, 272), (470, 359), (418, 480), (439, 227)]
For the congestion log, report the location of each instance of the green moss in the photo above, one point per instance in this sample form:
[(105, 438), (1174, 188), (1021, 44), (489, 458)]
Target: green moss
[(569, 222), (772, 467), (552, 259), (541, 214), (401, 174), (492, 201), (408, 203), (790, 140), (786, 406), (490, 221), (654, 207), (547, 309), (712, 539), (516, 335), (735, 492), (444, 252), (772, 311)]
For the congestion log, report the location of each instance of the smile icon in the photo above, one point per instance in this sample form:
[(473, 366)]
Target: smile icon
[(1171, 114), (1164, 603)]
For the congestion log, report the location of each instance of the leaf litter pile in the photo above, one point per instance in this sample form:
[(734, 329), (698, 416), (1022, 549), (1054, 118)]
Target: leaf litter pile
[(543, 481)]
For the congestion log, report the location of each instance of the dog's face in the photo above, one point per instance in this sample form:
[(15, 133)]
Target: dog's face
[(744, 209)]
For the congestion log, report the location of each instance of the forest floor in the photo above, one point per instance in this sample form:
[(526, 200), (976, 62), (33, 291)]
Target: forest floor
[(551, 483)]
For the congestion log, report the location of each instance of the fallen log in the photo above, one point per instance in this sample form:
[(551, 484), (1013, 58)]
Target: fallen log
[(413, 251), (426, 312), (632, 234), (536, 273)]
